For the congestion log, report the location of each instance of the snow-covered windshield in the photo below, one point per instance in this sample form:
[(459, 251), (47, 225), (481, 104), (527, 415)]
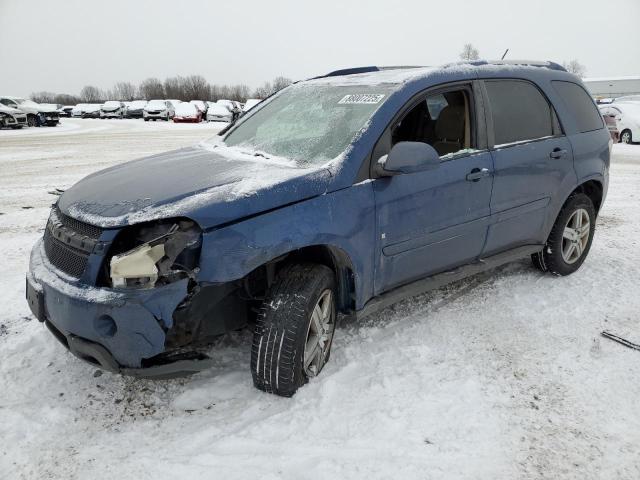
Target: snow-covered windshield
[(310, 123), (25, 103), (111, 104)]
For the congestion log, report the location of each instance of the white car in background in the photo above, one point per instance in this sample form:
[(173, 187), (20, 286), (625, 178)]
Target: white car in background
[(627, 115), (229, 105), (218, 113), (12, 117), (158, 110), (78, 110), (249, 104), (37, 114), (112, 109), (200, 105)]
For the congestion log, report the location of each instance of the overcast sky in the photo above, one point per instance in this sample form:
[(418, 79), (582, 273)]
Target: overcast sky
[(62, 45)]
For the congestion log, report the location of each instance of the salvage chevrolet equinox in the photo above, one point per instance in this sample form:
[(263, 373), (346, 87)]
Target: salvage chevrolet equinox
[(337, 196)]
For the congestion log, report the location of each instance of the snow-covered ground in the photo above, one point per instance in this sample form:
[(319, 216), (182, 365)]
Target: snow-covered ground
[(499, 376)]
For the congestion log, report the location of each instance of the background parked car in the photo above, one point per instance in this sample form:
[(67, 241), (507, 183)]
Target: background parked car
[(187, 113), (627, 115), (37, 114), (201, 105), (158, 110), (112, 109), (612, 125), (249, 104), (135, 109), (229, 105), (12, 117), (78, 109), (92, 110), (65, 111), (218, 113)]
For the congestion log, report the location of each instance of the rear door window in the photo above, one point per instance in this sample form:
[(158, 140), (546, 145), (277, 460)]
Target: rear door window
[(580, 105), (519, 111)]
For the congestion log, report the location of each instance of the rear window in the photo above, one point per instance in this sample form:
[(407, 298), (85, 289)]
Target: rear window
[(580, 105), (519, 111)]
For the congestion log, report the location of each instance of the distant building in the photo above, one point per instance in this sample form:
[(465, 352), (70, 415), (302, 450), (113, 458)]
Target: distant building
[(613, 87)]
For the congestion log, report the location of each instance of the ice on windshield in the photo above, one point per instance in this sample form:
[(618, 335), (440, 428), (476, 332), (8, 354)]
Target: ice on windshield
[(310, 124)]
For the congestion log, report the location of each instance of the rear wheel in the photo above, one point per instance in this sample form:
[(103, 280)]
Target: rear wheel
[(625, 136), (570, 239), (294, 331), (32, 120)]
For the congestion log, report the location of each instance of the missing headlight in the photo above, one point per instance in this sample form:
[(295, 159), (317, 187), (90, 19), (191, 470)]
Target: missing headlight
[(147, 255)]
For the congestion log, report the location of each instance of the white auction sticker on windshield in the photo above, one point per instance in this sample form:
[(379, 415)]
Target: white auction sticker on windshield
[(362, 98)]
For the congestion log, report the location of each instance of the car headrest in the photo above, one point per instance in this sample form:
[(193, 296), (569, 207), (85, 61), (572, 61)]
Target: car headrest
[(450, 123)]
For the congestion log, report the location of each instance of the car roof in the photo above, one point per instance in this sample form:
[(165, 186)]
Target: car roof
[(375, 75)]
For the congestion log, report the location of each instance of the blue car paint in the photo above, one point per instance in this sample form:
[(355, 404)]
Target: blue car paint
[(377, 223)]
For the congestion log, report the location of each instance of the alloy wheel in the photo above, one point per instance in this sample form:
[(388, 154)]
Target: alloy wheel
[(575, 237), (319, 334)]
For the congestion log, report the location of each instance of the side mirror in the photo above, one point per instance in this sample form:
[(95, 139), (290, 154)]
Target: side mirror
[(408, 157)]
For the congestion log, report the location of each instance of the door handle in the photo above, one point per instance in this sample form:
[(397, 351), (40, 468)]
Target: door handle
[(477, 173), (558, 153)]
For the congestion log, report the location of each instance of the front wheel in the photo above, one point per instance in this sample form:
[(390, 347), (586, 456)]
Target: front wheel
[(570, 239), (32, 120), (294, 330)]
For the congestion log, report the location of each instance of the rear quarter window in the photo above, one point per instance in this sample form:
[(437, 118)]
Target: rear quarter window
[(520, 113), (580, 105)]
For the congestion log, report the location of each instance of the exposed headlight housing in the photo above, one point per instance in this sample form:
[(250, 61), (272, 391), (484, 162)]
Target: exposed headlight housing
[(157, 253)]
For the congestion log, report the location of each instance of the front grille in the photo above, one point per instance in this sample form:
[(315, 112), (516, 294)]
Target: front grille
[(82, 228), (70, 260), (69, 242)]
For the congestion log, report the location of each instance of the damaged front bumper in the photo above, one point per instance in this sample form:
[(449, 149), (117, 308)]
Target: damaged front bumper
[(121, 331)]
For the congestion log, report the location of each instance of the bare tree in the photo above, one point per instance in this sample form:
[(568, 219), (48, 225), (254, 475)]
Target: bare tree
[(66, 99), (173, 88), (263, 91), (43, 97), (239, 93), (575, 67), (269, 88), (125, 91), (151, 88), (469, 52), (91, 94), (195, 87)]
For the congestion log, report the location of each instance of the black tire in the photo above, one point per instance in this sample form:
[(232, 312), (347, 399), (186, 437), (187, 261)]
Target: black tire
[(625, 136), (146, 119), (283, 327), (32, 120), (551, 258)]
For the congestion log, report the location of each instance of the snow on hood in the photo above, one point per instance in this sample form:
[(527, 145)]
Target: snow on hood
[(13, 111), (186, 109), (111, 106), (156, 105), (210, 183), (218, 110)]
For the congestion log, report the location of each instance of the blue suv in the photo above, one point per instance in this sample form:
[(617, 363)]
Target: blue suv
[(337, 196)]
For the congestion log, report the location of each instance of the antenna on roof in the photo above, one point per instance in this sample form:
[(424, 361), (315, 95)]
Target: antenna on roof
[(505, 54)]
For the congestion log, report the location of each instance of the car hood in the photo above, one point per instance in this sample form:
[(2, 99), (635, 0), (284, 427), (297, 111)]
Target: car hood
[(46, 109), (210, 184), (11, 110)]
